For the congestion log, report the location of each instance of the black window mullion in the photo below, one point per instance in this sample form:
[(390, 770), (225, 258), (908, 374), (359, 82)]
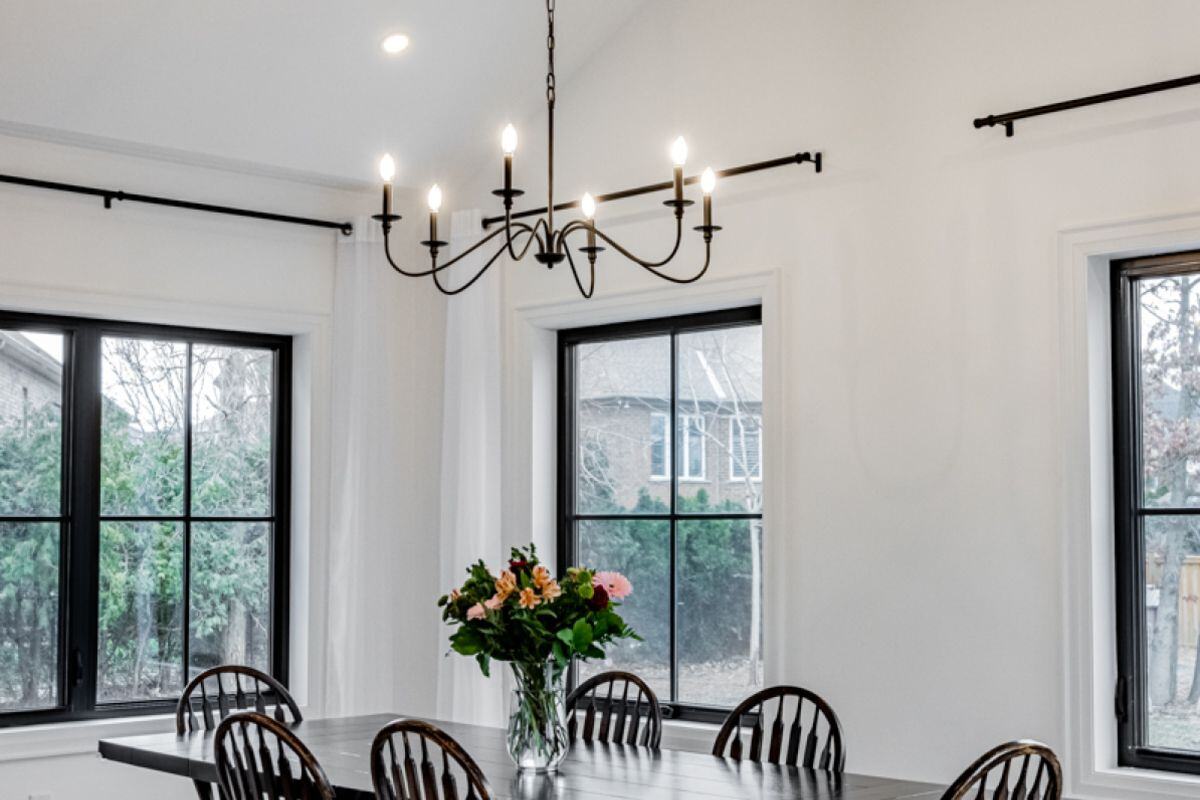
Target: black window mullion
[(186, 576), (281, 511), (83, 565), (65, 500), (676, 453)]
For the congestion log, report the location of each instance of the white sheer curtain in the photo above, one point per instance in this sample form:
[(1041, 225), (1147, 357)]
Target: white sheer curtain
[(382, 619), (470, 486)]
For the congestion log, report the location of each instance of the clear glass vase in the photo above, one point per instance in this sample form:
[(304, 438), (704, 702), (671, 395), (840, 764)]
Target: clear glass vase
[(537, 722)]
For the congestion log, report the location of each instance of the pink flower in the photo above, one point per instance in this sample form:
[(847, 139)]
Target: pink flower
[(494, 602), (615, 584), (476, 611), (454, 595)]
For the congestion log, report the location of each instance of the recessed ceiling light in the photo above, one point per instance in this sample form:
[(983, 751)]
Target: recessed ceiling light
[(395, 43)]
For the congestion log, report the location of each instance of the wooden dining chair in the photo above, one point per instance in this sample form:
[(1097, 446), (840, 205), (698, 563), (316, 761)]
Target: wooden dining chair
[(628, 711), (259, 758), (218, 692), (808, 735), (1020, 770), (403, 769)]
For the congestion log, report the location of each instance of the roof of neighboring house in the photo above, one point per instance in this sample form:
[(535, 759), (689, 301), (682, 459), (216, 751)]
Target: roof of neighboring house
[(19, 349), (722, 366)]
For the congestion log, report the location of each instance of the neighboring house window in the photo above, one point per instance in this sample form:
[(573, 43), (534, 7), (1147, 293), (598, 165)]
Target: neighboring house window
[(691, 459), (691, 546), (1156, 341), (745, 449), (143, 512), (660, 445)]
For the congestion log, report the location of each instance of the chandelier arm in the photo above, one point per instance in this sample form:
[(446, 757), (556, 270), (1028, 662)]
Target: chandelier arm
[(487, 265), (436, 268), (694, 278), (587, 294), (577, 225), (387, 251), (523, 228), (650, 265)]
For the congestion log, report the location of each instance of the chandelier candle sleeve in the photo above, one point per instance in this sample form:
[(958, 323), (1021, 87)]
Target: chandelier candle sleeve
[(588, 204), (679, 154), (435, 203), (508, 143), (708, 182), (387, 171)]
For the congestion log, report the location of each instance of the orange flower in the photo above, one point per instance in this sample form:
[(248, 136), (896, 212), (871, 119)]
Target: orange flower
[(551, 591), (541, 577), (506, 584), (528, 598), (454, 595)]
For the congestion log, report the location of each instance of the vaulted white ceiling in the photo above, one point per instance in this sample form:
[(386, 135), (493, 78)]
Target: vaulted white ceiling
[(292, 86)]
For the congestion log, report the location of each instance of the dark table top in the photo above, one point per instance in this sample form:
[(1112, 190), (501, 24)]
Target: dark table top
[(590, 772)]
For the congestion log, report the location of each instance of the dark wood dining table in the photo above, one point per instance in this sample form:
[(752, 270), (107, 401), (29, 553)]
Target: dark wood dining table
[(590, 771)]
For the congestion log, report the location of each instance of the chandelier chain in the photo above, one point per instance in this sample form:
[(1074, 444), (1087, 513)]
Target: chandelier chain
[(550, 84)]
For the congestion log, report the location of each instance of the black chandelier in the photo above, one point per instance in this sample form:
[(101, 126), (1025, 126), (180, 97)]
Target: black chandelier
[(550, 245)]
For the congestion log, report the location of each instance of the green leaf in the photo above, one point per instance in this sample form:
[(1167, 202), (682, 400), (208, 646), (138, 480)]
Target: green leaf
[(568, 637), (582, 635)]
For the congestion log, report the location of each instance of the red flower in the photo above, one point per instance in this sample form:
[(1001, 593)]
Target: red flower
[(599, 599), (518, 565)]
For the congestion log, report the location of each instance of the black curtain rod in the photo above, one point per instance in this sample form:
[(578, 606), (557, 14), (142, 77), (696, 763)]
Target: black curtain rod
[(798, 158), (109, 195), (1008, 118)]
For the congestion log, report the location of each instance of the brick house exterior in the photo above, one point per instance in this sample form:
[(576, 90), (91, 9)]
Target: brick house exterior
[(623, 422), (30, 378)]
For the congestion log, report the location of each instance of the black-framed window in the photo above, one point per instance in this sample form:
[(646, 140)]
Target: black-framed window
[(654, 483), (144, 512)]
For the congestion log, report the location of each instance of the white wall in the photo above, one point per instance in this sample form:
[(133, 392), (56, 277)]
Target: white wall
[(918, 572), (65, 253)]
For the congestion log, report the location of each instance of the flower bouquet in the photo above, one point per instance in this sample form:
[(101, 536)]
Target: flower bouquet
[(537, 624)]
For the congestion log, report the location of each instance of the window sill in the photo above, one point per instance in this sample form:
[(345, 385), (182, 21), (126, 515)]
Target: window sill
[(1133, 783), (695, 737), (74, 738)]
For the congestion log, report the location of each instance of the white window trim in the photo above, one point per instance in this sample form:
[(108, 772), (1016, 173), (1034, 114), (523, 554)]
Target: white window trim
[(685, 458), (733, 476), (1085, 419), (666, 423)]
